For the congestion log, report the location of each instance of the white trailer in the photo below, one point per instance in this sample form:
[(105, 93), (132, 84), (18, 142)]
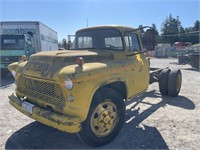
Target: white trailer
[(19, 38), (43, 37)]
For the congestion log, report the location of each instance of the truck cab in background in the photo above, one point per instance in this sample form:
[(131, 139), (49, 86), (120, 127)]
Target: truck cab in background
[(12, 47), (24, 38)]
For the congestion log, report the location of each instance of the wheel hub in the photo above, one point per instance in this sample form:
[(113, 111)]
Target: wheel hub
[(104, 119)]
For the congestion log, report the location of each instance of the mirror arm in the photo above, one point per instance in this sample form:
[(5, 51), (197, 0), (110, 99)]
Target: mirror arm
[(141, 28)]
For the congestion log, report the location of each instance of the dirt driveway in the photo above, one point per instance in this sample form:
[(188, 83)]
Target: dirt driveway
[(152, 121)]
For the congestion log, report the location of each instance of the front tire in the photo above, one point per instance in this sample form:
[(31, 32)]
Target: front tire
[(105, 118)]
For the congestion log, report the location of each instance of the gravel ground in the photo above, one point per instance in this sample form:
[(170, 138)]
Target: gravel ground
[(152, 121)]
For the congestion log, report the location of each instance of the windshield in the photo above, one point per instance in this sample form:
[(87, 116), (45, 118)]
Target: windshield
[(104, 39), (12, 42)]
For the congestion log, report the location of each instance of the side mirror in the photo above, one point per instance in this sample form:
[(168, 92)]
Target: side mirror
[(150, 34)]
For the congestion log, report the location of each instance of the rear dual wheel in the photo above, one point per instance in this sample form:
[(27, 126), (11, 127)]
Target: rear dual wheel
[(170, 82), (105, 118), (163, 81), (174, 83)]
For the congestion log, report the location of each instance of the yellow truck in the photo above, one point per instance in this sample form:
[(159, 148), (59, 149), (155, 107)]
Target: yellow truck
[(83, 90)]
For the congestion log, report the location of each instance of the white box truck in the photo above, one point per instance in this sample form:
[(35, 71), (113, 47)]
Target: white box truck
[(24, 38)]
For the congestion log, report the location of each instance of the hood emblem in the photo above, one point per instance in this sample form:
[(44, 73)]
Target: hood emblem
[(38, 67)]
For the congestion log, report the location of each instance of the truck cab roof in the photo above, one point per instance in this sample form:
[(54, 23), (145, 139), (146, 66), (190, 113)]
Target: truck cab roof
[(117, 27)]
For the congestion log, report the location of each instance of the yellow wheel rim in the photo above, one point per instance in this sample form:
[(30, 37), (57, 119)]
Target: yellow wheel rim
[(104, 119)]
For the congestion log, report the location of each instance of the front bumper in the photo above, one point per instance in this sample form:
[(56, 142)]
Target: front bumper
[(61, 122)]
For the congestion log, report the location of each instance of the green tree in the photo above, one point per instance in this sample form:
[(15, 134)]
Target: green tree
[(155, 28), (191, 34), (143, 36), (157, 37), (59, 44), (196, 26), (63, 43), (170, 28), (195, 37)]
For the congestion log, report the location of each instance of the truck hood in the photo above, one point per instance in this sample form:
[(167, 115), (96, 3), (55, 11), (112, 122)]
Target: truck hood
[(46, 64)]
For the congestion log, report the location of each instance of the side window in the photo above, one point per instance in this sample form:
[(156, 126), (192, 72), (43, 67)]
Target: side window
[(132, 42), (114, 43), (21, 43)]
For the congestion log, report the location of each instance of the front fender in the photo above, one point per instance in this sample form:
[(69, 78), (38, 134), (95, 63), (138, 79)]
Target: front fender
[(16, 68), (13, 67), (84, 90)]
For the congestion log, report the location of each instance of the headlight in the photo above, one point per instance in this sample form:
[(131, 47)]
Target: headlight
[(69, 84), (13, 73)]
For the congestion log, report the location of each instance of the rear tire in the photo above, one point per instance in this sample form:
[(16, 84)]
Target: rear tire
[(105, 118), (174, 83), (163, 81)]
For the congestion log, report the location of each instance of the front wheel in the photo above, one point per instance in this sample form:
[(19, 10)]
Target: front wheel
[(105, 118)]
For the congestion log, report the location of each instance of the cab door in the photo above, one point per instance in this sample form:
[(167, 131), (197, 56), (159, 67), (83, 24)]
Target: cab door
[(138, 72)]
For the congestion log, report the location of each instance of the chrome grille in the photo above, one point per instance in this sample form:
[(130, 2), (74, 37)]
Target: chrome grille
[(42, 91)]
